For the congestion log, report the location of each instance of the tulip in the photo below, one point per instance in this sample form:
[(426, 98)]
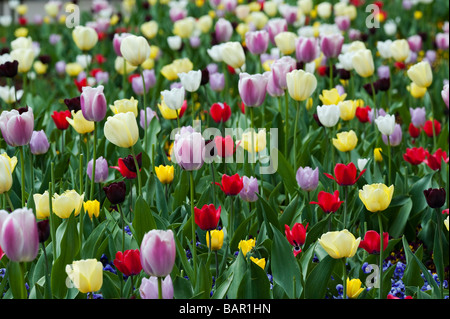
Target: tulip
[(204, 23), (9, 69), (362, 113), (339, 244), (191, 80), (445, 95), (415, 155), (345, 141), (324, 10), (86, 275), (19, 237), (42, 205), (207, 217), (300, 84), (446, 223), (371, 242), (117, 40), (435, 197), (60, 119), (245, 246), (85, 38), (328, 202), (345, 175), (231, 185), (386, 124), (170, 114), (17, 126), (122, 130), (413, 131), (217, 81), (257, 41), (253, 142), (158, 252), (150, 115), (233, 54), (216, 239), (363, 63), (223, 30), (400, 50), (164, 173), (442, 40), (395, 138), (43, 227), (67, 203), (261, 262), (115, 192), (285, 42), (220, 112), (128, 262), (354, 288), (224, 145), (347, 110), (92, 208), (250, 189), (434, 160), (307, 178), (7, 165), (280, 68), (189, 149), (137, 83), (252, 88), (307, 49), (149, 288), (331, 45), (418, 116), (377, 154), (328, 114), (376, 197), (122, 66), (10, 95), (93, 103), (149, 29), (24, 57), (39, 143), (430, 130), (124, 106), (135, 49), (421, 74), (101, 170), (79, 123), (296, 236), (174, 98)]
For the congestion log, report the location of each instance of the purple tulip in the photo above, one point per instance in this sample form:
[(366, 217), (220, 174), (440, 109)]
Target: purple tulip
[(212, 68), (189, 149), (430, 56), (442, 41), (342, 22), (280, 68), (195, 41), (250, 190), (223, 30), (252, 88), (354, 34), (257, 41), (39, 143), (102, 77), (17, 126), (19, 236), (407, 4), (272, 88), (101, 170), (176, 14), (60, 67), (331, 45), (117, 40), (418, 116), (307, 178), (396, 138), (93, 103), (158, 252), (289, 13), (217, 81), (275, 26), (149, 78), (150, 115), (54, 38), (149, 288), (415, 43), (384, 72), (307, 49), (445, 94)]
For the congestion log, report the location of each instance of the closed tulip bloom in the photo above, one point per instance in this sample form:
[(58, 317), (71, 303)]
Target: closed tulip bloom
[(128, 262), (253, 142), (333, 96), (354, 288), (399, 50), (339, 244), (216, 239), (250, 189), (280, 68), (371, 242), (307, 178), (386, 124), (204, 23), (124, 106), (421, 74), (92, 208), (274, 27), (445, 94), (158, 252), (135, 49), (376, 197), (149, 29), (307, 49), (170, 114), (7, 165), (324, 10), (300, 84), (19, 237), (24, 57), (117, 40), (296, 236), (328, 114), (345, 175), (363, 63), (245, 246), (345, 141), (418, 116), (101, 170), (191, 80), (377, 154), (257, 41), (122, 69), (149, 288), (347, 110), (174, 98), (428, 127), (86, 275), (231, 185), (85, 38), (217, 81), (435, 197), (122, 130), (413, 131), (67, 203), (328, 202), (285, 42), (93, 103), (79, 123), (220, 112), (207, 217), (395, 138), (42, 205), (252, 88), (164, 173), (39, 143), (224, 146), (434, 160), (233, 54), (331, 45), (415, 155), (116, 192), (223, 30), (17, 126), (189, 150), (60, 119)]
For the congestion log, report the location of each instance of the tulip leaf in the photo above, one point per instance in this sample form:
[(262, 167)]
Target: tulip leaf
[(399, 218), (287, 173), (110, 287), (255, 284), (143, 220), (182, 288), (221, 291), (16, 280), (317, 281), (270, 215), (411, 276), (416, 191)]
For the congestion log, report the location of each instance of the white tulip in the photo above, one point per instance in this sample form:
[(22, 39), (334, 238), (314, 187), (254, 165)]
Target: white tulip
[(191, 80), (328, 114), (385, 124), (174, 98)]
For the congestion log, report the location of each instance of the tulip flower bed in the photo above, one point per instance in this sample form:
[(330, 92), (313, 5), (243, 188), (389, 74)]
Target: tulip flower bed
[(225, 149)]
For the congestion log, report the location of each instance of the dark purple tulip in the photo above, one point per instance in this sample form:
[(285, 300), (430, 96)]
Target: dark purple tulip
[(435, 197)]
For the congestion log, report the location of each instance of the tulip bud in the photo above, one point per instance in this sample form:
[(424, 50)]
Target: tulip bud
[(252, 88), (158, 252), (128, 262), (233, 54), (164, 173), (376, 197), (135, 49), (285, 42), (362, 62), (345, 141), (339, 244), (250, 189), (93, 103), (307, 49), (190, 80), (386, 124), (216, 239), (245, 246), (43, 230), (223, 30), (300, 84), (307, 178), (17, 126), (421, 74), (115, 192), (331, 45), (122, 130), (39, 143), (149, 288), (257, 41), (400, 50), (328, 114), (85, 38)]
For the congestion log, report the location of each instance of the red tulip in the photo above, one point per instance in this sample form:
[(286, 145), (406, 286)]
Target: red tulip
[(415, 155), (220, 112), (242, 107), (434, 160), (329, 203), (224, 145), (390, 296), (362, 113), (445, 211), (80, 84), (207, 217), (413, 131), (371, 242), (129, 262), (428, 128), (296, 236), (345, 175), (60, 119), (123, 169), (231, 185)]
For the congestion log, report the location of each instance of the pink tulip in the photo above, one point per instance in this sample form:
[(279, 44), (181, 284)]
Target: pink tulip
[(117, 40), (223, 30), (331, 45), (275, 26), (342, 22), (307, 49), (272, 88), (442, 41), (158, 252), (19, 236), (149, 288), (252, 88), (93, 103), (415, 43), (280, 68), (257, 41), (17, 126), (445, 95)]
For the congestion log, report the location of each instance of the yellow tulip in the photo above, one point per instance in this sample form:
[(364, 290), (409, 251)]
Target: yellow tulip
[(25, 57), (121, 68), (339, 244), (300, 84), (246, 245), (354, 288), (204, 23), (261, 262), (421, 74), (149, 29), (85, 38), (347, 110), (257, 139), (216, 239), (332, 97), (257, 18), (345, 141), (377, 154), (67, 203), (73, 69), (40, 67), (168, 71), (362, 62), (417, 92), (400, 50), (242, 29), (86, 275), (21, 32), (124, 106), (167, 112), (270, 8), (92, 208), (184, 27), (79, 123), (446, 223), (7, 165), (233, 54), (122, 130), (148, 64), (22, 9), (164, 173), (376, 197), (285, 42), (42, 205)]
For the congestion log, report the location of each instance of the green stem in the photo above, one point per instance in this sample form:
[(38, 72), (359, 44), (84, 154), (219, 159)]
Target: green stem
[(380, 223), (160, 288), (345, 206), (94, 160), (123, 226), (389, 159), (22, 175), (295, 134), (344, 279), (286, 123), (145, 109), (331, 74), (138, 172), (194, 248), (8, 199)]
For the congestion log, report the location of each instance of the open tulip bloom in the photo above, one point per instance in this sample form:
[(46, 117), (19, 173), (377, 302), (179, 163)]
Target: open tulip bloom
[(224, 149)]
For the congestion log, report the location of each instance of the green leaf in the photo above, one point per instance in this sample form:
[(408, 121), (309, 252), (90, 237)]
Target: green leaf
[(16, 280), (287, 173), (182, 288), (255, 284), (411, 276), (143, 220), (399, 218), (317, 281)]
